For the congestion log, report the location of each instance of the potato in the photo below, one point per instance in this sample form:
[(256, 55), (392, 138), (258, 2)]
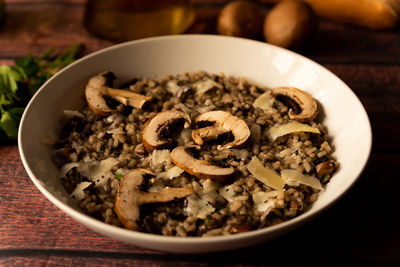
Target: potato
[(373, 14), (289, 24), (241, 19)]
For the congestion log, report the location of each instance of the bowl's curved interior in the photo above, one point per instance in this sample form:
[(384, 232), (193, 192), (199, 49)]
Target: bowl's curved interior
[(261, 63)]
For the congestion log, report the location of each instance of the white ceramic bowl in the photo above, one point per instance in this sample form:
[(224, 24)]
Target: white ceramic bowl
[(261, 63)]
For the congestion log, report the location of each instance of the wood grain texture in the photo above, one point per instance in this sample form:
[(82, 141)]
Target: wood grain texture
[(360, 229)]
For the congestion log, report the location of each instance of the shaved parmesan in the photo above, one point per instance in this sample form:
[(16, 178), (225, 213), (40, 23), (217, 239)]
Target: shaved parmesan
[(294, 177), (73, 113), (98, 171), (160, 157), (185, 137), (198, 207), (172, 87), (264, 174), (264, 101), (171, 173), (264, 201), (66, 168), (78, 193), (114, 116), (205, 85), (290, 127), (228, 193), (240, 154)]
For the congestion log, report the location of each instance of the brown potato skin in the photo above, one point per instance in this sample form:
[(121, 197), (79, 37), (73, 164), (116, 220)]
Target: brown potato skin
[(240, 19), (372, 14), (289, 24)]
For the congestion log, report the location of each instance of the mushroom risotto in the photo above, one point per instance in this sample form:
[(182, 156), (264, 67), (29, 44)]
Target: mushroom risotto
[(193, 154)]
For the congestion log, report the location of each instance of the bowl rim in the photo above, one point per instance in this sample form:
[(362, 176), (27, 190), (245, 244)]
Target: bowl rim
[(115, 231)]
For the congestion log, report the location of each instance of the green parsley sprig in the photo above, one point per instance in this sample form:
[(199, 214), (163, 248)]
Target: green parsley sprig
[(20, 82)]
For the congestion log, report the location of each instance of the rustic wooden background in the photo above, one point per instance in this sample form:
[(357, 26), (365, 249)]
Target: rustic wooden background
[(361, 229)]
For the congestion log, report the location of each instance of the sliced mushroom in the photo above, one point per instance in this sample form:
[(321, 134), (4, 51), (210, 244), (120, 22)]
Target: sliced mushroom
[(129, 197), (155, 131), (325, 168), (222, 122), (97, 88), (199, 168), (302, 105)]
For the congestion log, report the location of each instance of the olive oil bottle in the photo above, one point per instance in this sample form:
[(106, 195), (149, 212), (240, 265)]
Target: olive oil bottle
[(123, 20)]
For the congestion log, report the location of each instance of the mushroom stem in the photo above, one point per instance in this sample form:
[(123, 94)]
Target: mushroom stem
[(129, 197), (165, 195), (127, 97), (97, 88)]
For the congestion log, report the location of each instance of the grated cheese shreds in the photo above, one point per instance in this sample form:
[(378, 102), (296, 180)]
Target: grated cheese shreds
[(264, 174), (291, 127)]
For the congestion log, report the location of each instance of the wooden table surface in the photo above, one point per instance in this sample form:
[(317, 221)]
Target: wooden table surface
[(363, 228)]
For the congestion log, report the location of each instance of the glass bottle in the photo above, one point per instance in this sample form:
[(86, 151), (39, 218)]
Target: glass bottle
[(123, 20)]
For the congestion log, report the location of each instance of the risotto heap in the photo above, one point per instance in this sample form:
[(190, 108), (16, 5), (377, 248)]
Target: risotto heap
[(193, 154)]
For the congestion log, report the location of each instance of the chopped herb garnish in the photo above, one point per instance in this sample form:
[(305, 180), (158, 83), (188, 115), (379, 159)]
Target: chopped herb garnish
[(325, 178), (117, 176)]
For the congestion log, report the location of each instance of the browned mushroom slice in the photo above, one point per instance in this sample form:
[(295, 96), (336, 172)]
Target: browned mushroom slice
[(199, 168), (302, 105), (155, 132), (222, 122), (97, 88), (129, 197), (325, 168)]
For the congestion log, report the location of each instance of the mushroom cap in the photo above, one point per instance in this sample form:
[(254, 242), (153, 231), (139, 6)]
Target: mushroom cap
[(223, 122), (94, 93), (127, 200), (325, 168), (97, 88), (152, 129), (129, 197), (303, 107), (199, 168)]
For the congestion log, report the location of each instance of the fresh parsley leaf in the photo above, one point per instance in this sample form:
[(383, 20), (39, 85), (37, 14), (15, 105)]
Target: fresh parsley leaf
[(117, 176), (20, 82)]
